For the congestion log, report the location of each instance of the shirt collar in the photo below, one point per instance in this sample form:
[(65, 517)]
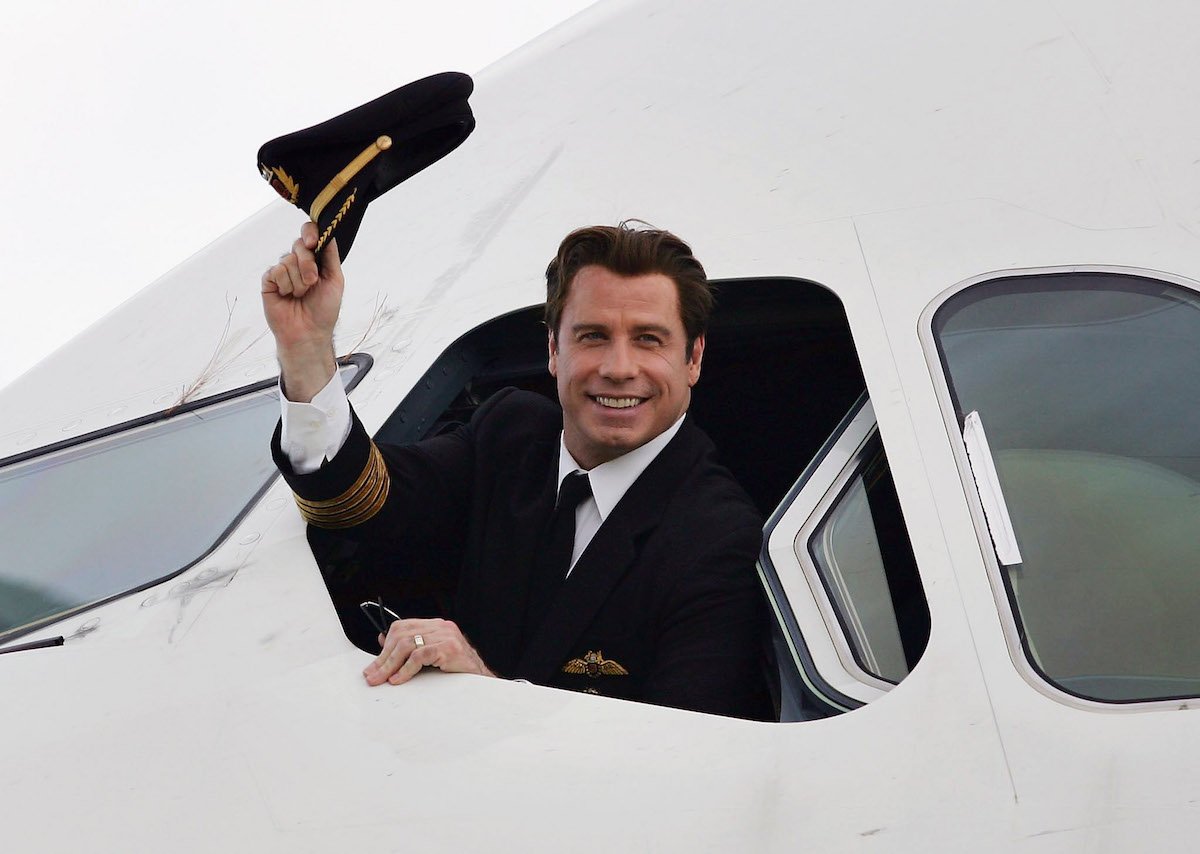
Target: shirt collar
[(611, 480)]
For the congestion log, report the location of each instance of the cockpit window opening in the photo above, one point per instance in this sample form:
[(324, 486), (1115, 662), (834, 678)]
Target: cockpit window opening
[(1086, 383), (780, 372), (116, 511)]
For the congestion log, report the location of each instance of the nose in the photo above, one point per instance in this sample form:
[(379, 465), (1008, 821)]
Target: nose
[(620, 362)]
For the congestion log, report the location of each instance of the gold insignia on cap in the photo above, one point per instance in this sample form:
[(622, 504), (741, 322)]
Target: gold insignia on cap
[(283, 183), (344, 177), (334, 222), (357, 504), (594, 664)]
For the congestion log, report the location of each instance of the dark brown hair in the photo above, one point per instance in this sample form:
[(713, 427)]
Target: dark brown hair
[(629, 251)]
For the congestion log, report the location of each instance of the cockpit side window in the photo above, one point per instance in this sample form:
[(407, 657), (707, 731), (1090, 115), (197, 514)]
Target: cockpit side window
[(1085, 385), (838, 560), (861, 553), (112, 513)]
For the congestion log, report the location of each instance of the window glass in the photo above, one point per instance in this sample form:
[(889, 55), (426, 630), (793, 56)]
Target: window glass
[(1088, 386), (113, 514), (862, 553)]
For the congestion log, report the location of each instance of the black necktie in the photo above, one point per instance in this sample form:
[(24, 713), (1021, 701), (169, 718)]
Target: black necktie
[(554, 559), (560, 542)]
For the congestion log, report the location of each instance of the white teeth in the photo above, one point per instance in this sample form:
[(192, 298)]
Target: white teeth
[(618, 402)]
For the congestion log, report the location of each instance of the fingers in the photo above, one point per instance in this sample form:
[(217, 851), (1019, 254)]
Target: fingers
[(308, 233), (286, 277), (423, 656), (397, 646), (296, 271), (442, 645), (303, 263)]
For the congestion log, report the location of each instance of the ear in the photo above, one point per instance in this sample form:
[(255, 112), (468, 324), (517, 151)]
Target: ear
[(552, 349), (694, 360)]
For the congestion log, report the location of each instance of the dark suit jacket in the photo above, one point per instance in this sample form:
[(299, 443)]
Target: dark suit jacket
[(666, 590)]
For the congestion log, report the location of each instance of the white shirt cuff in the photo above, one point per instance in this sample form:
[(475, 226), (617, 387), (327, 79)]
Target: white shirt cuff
[(315, 432)]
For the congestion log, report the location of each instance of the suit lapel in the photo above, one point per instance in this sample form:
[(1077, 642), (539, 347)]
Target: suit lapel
[(609, 556)]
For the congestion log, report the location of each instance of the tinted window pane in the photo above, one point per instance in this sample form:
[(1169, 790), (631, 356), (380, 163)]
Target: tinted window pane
[(86, 523), (1089, 388), (865, 561)]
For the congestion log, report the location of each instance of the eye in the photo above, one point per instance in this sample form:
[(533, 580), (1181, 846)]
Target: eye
[(590, 335), (649, 338)]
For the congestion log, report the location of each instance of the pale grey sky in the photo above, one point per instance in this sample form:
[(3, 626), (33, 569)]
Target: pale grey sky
[(131, 127)]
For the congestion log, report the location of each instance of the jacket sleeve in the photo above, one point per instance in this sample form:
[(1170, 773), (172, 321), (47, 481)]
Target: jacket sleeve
[(412, 495)]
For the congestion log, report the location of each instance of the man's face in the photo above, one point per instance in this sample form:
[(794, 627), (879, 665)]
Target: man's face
[(620, 360)]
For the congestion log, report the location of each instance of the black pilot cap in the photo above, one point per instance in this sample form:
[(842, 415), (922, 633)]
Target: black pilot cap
[(333, 170)]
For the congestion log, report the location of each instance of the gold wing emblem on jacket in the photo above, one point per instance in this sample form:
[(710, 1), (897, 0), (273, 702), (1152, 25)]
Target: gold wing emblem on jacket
[(594, 664)]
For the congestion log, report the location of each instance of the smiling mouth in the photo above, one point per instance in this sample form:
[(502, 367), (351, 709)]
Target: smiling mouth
[(616, 402)]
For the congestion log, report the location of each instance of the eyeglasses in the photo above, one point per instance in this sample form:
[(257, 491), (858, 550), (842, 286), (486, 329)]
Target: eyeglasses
[(380, 615)]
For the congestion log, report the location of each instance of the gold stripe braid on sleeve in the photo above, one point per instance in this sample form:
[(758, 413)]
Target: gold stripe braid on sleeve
[(357, 504)]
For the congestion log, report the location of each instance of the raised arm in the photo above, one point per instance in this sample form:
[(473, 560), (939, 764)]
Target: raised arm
[(301, 302)]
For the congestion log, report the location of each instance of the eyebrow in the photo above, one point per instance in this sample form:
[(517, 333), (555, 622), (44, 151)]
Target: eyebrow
[(663, 331)]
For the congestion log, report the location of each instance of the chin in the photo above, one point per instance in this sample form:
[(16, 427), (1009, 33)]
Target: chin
[(607, 447)]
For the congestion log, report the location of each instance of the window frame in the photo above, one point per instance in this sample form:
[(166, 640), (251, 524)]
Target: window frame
[(1006, 607), (816, 637), (362, 362)]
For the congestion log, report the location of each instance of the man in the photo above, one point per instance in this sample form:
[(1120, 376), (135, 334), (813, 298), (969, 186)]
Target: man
[(638, 584)]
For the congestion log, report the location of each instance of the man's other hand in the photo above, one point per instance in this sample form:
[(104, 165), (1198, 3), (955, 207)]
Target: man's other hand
[(441, 645), (301, 303)]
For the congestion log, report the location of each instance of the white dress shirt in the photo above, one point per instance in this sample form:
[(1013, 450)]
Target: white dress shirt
[(610, 481), (314, 432)]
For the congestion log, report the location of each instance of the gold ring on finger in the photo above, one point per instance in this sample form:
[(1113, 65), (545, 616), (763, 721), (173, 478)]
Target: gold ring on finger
[(419, 641)]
